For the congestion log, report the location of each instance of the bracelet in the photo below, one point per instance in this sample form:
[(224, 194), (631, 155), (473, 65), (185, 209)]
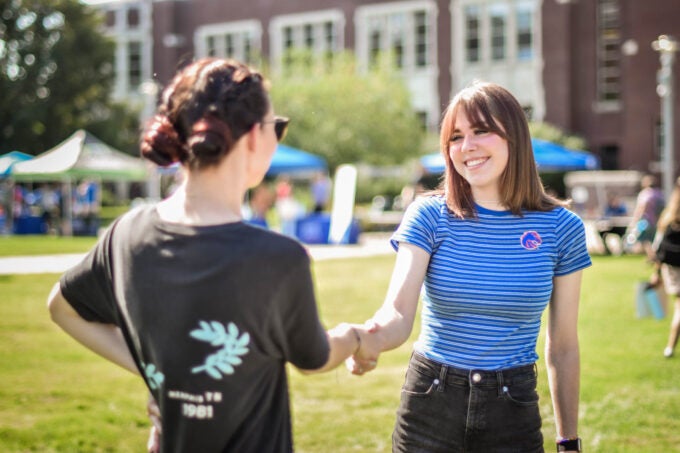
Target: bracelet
[(358, 337)]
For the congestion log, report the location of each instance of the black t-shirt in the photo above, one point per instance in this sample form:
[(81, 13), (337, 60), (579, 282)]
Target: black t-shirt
[(211, 315)]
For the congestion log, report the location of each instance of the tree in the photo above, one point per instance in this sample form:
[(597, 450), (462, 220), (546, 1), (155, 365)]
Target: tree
[(56, 75), (345, 115)]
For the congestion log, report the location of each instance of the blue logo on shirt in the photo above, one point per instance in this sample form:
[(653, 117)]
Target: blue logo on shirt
[(531, 240)]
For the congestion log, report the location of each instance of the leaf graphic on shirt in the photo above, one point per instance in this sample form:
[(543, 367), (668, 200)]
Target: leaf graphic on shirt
[(233, 346), (153, 376)]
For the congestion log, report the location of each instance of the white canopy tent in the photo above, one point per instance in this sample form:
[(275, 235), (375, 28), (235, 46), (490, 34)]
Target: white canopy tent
[(81, 156)]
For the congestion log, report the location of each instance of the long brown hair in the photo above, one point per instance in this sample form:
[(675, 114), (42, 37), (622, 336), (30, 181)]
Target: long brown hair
[(670, 216), (497, 109)]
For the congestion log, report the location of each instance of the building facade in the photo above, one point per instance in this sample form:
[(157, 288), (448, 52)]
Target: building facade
[(586, 66)]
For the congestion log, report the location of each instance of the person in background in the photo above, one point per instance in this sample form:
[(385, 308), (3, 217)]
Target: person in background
[(648, 206), (206, 308), (259, 203), (321, 191), (667, 247), (492, 251), (615, 206)]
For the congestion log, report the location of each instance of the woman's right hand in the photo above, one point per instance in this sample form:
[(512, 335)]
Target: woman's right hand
[(153, 445)]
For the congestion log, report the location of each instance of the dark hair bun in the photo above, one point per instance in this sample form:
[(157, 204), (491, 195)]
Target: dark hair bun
[(160, 142), (210, 137)]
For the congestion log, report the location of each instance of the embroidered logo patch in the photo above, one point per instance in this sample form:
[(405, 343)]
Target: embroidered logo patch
[(530, 240)]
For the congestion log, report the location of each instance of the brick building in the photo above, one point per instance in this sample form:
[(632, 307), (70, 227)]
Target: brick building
[(586, 66)]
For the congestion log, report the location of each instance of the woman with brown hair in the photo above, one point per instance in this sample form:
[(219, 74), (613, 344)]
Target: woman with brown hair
[(205, 307), (667, 246), (491, 250)]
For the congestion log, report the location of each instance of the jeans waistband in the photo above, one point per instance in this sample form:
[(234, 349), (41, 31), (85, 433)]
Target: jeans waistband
[(480, 378)]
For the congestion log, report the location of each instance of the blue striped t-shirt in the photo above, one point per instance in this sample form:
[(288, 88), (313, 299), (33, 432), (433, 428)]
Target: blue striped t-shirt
[(489, 279)]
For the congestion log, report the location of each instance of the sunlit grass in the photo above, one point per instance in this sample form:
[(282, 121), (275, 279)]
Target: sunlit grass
[(57, 397)]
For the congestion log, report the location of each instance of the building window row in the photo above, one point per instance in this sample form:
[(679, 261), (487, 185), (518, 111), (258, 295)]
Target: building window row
[(608, 53), (498, 31), (238, 40)]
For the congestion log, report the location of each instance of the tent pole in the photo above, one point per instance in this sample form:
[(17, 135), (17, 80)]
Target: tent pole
[(67, 215)]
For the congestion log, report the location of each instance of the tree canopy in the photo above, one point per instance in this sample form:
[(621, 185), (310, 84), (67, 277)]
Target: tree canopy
[(56, 75), (345, 115)]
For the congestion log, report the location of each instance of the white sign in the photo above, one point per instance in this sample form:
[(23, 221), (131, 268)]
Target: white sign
[(344, 190)]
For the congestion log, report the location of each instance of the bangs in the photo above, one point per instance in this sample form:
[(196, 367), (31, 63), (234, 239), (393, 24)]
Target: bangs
[(478, 107)]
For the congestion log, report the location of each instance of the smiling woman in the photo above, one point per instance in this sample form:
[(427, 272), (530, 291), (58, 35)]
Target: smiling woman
[(491, 250)]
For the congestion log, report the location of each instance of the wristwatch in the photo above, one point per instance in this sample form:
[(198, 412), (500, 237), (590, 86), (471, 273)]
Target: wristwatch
[(569, 444)]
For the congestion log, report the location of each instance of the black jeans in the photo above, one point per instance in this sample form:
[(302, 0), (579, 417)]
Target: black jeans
[(448, 409)]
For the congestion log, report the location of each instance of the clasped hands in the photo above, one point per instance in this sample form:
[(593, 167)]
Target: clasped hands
[(365, 358)]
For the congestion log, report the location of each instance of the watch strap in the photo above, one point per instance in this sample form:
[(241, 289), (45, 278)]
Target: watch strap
[(569, 445)]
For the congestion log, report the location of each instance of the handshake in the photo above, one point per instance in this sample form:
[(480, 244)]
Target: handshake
[(365, 343)]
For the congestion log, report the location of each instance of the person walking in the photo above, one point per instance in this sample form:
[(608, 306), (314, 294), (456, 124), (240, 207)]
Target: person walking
[(491, 250), (648, 206), (205, 307), (667, 246)]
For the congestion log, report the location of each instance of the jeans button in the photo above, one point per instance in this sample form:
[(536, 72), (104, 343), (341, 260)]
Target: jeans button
[(476, 377)]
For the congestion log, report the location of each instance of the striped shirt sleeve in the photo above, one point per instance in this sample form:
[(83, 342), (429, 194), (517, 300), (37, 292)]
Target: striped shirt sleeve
[(419, 225), (571, 244)]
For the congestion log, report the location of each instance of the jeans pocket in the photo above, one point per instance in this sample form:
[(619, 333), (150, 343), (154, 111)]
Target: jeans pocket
[(419, 384), (522, 393)]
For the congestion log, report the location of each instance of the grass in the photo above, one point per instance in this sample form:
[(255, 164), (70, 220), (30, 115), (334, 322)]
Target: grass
[(58, 397), (43, 244)]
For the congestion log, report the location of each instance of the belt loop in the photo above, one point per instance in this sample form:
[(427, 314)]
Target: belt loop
[(499, 381), (442, 378)]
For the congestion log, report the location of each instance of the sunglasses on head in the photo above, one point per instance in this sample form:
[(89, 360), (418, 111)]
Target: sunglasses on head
[(280, 126)]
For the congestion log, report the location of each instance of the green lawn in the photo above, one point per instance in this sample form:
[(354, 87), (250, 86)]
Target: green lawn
[(43, 245), (57, 397)]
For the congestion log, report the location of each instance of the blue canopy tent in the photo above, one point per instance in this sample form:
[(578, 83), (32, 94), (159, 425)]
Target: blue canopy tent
[(294, 161), (550, 157), (8, 160)]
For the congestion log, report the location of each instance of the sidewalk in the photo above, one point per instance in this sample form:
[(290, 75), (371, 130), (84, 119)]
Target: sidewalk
[(370, 244)]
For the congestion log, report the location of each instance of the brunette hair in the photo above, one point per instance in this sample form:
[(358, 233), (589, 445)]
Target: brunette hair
[(670, 216), (203, 112), (493, 107)]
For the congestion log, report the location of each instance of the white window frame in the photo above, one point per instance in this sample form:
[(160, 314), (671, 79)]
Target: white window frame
[(297, 22), (240, 31), (380, 13), (522, 75), (123, 37)]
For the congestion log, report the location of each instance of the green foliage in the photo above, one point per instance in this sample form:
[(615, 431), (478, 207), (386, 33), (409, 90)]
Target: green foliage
[(56, 74), (551, 133), (346, 115), (58, 397)]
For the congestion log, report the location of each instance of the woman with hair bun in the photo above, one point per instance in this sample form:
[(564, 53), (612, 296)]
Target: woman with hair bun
[(205, 307)]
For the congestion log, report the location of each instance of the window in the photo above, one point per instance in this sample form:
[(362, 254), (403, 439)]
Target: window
[(133, 18), (402, 31), (524, 20), (238, 40), (110, 19), (134, 64), (608, 52), (421, 46), (319, 33), (498, 32), (472, 44)]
